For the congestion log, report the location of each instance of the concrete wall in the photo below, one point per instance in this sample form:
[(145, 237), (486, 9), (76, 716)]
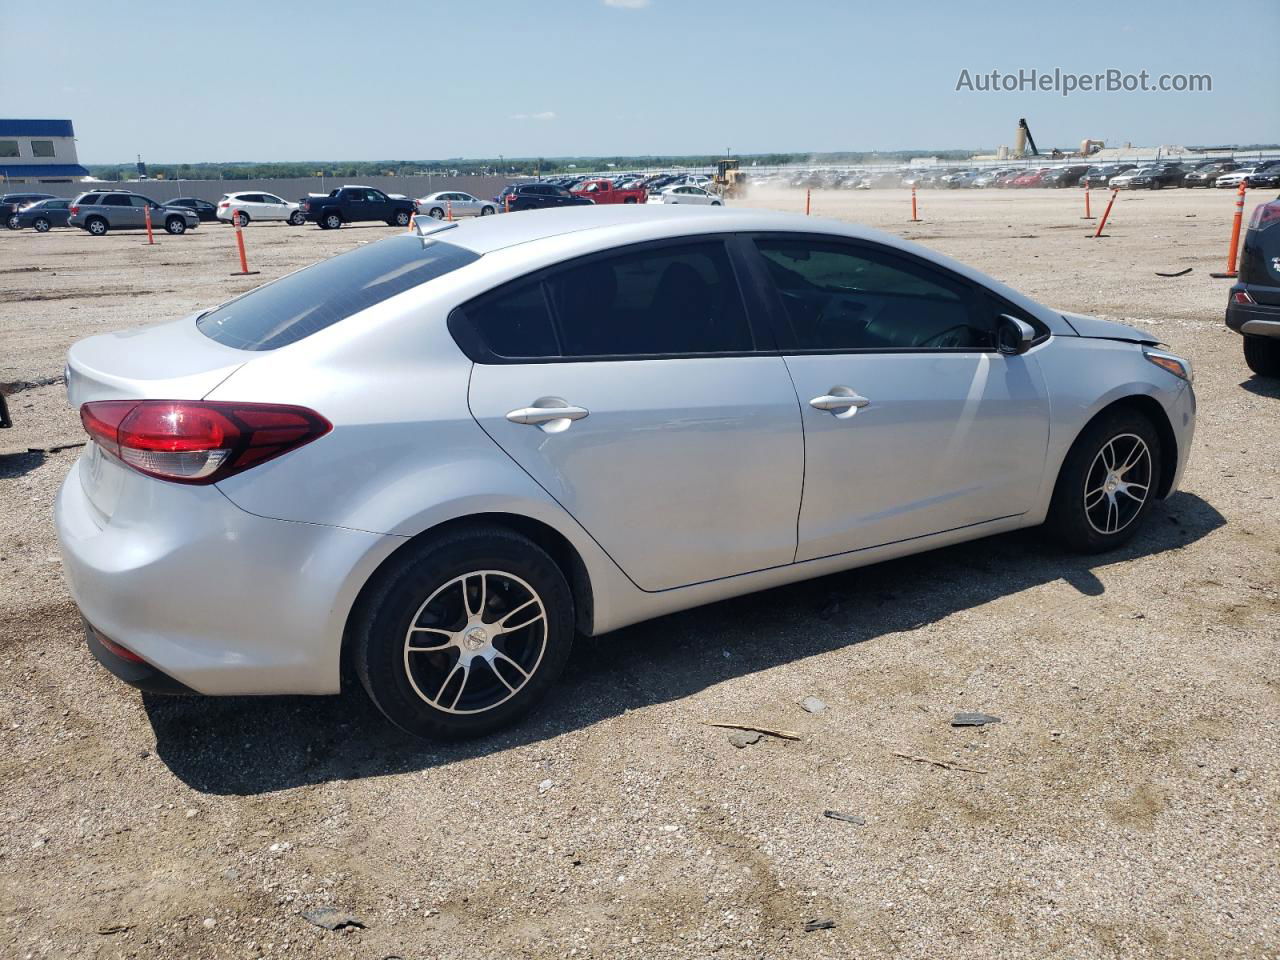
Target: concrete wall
[(289, 189)]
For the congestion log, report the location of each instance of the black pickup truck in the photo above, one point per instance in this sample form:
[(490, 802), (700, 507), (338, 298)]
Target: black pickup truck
[(356, 205)]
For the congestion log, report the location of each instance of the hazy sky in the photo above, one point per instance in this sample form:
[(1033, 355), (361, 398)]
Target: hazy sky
[(428, 79)]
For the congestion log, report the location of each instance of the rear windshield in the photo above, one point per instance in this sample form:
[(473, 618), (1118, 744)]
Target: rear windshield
[(301, 303)]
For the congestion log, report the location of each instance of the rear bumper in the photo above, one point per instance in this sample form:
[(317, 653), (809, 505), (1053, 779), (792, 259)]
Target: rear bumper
[(1253, 319), (214, 599), (138, 674)]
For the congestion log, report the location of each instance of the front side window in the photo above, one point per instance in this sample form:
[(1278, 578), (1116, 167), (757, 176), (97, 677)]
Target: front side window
[(116, 200), (667, 301), (840, 297), (301, 303), (140, 202), (42, 148)]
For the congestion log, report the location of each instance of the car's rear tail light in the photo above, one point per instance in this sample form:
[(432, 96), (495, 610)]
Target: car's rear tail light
[(74, 211), (198, 441), (1265, 215), (1242, 296)]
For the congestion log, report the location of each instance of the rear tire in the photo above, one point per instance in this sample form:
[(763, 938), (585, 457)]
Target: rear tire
[(1107, 482), (439, 605), (436, 213), (13, 224), (176, 226), (41, 225), (331, 221), (96, 226), (1262, 354), (240, 219)]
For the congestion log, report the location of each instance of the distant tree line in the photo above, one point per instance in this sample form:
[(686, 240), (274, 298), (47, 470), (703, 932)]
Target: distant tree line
[(519, 166)]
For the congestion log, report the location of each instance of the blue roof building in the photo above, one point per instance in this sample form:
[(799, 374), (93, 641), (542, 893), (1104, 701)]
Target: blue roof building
[(38, 151)]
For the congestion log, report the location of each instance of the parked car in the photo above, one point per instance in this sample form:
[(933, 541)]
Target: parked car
[(1206, 174), (455, 203), (1153, 177), (432, 459), (1263, 174), (250, 205), (100, 211), (11, 203), (989, 177), (203, 209), (1253, 305), (43, 215), (1032, 178), (537, 196), (356, 204), (687, 194), (1100, 176), (606, 191), (1065, 176)]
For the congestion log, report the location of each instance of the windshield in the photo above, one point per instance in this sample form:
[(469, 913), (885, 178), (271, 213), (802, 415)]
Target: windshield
[(298, 305)]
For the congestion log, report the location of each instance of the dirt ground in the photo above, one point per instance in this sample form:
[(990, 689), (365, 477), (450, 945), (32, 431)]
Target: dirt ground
[(1126, 805)]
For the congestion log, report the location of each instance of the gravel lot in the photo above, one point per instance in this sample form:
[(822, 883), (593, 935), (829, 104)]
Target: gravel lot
[(1125, 807)]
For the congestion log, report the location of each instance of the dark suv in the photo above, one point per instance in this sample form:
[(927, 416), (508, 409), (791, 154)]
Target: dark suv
[(1158, 175), (102, 210), (1206, 173), (1253, 306), (1101, 175), (537, 196)]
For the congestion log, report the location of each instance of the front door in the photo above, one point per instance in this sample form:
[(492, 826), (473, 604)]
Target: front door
[(914, 423), (631, 387)]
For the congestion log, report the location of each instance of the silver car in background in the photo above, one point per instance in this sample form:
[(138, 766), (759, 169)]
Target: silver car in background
[(436, 458), (455, 203)]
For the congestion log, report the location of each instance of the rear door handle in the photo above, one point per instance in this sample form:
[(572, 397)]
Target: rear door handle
[(536, 416), (839, 401)]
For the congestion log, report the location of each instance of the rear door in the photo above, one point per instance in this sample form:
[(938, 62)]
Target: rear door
[(633, 387), (914, 423)]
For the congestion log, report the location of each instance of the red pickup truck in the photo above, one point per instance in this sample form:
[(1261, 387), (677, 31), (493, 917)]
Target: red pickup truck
[(603, 191)]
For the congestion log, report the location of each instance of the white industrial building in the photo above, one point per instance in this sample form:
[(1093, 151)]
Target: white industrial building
[(38, 151)]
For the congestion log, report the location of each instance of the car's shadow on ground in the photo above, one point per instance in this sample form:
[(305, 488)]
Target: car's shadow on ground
[(1262, 386), (248, 745)]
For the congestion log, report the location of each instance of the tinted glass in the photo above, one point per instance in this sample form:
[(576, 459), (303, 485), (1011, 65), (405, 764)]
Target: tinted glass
[(837, 297), (514, 323), (140, 201), (8, 148), (301, 303), (89, 198), (115, 200), (668, 301)]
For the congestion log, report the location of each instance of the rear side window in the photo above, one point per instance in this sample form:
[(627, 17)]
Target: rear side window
[(298, 305), (839, 297), (89, 198), (667, 301)]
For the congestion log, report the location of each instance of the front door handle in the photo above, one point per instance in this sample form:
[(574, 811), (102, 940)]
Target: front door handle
[(540, 415), (839, 401)]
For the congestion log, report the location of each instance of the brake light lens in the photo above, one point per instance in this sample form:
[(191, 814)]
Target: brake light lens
[(1242, 297), (75, 210), (1265, 215), (198, 441)]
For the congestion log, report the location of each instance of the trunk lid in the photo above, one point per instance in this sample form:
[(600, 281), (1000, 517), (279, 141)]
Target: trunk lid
[(171, 361)]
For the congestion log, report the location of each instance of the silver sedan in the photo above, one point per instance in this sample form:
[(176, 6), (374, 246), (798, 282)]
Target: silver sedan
[(454, 203), (436, 458)]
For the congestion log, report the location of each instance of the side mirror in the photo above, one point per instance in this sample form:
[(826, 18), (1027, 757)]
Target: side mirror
[(1014, 336)]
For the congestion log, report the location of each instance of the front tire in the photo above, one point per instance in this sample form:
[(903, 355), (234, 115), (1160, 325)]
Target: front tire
[(1107, 483), (176, 226), (402, 218), (461, 634), (297, 218), (1262, 354), (487, 211)]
